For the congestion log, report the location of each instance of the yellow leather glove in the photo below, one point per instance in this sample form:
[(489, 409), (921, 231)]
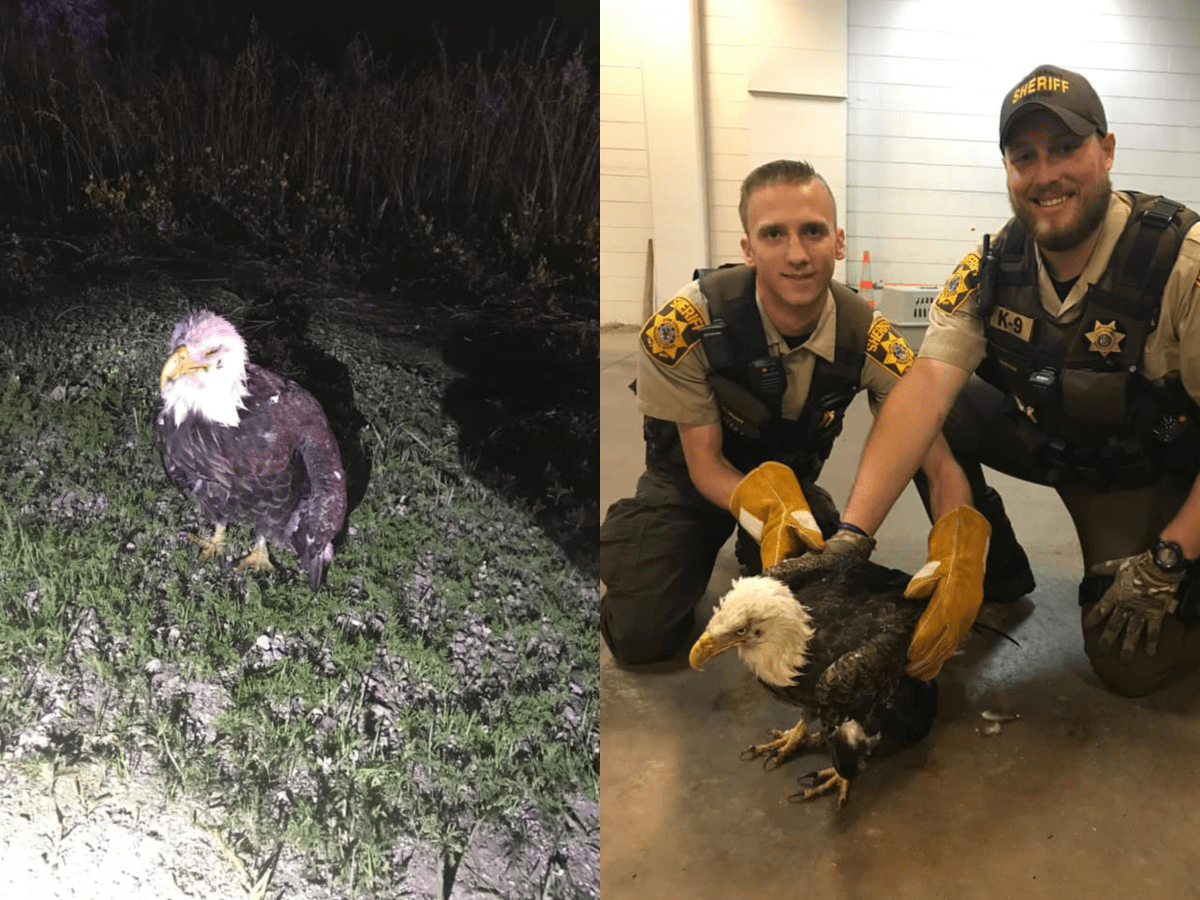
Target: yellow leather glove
[(1140, 597), (769, 504), (958, 545)]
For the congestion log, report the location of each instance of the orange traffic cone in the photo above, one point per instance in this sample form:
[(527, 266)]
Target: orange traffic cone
[(866, 281)]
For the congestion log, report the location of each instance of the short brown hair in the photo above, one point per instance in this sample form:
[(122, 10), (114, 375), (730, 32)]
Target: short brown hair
[(787, 171)]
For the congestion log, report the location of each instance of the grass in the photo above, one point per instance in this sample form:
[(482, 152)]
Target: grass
[(439, 687)]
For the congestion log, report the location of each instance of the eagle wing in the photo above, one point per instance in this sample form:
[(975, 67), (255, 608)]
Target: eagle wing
[(858, 681), (810, 569), (322, 508), (286, 430)]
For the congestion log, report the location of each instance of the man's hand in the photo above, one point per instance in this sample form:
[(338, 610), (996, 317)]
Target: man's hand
[(954, 576), (769, 504), (1140, 597)]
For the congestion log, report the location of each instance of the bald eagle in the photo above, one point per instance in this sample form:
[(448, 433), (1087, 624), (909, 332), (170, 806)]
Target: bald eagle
[(833, 639), (252, 446)]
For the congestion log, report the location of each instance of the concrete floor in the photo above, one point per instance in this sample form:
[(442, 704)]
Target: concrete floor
[(1086, 795)]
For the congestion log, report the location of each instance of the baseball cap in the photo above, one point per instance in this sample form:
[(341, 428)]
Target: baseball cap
[(1066, 94)]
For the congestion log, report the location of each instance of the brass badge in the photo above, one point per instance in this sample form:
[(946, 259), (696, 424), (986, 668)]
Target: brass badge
[(959, 285), (1105, 338), (888, 348), (671, 332)]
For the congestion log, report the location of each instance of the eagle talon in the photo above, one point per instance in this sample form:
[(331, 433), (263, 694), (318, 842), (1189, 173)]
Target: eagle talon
[(823, 782), (214, 546), (256, 560), (754, 751), (784, 746)]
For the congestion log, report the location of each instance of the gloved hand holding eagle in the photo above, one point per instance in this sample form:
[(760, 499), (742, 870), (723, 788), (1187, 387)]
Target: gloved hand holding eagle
[(252, 447)]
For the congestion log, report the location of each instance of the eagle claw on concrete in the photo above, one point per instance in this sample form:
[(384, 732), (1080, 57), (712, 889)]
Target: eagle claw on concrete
[(785, 745), (823, 782)]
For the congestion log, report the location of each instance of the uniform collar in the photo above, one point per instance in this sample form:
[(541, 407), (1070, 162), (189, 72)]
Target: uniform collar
[(1119, 208), (822, 341)]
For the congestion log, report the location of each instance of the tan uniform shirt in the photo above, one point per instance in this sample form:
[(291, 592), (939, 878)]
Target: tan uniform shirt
[(955, 334), (673, 369)]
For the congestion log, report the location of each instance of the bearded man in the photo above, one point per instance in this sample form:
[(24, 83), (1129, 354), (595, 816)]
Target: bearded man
[(1070, 340)]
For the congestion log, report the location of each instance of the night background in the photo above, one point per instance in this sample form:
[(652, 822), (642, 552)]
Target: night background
[(397, 205)]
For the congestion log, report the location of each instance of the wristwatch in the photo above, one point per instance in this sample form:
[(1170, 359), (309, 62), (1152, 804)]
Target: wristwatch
[(1168, 556)]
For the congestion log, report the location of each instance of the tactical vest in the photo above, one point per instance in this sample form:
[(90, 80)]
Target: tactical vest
[(742, 367), (1082, 403)]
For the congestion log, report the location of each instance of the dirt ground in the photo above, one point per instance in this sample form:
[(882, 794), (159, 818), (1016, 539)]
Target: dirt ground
[(85, 832)]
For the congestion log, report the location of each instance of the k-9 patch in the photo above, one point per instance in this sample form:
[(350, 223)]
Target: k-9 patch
[(959, 285), (671, 332), (888, 348)]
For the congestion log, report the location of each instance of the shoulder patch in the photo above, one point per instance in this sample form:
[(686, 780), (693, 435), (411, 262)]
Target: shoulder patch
[(672, 331), (959, 285), (887, 348)]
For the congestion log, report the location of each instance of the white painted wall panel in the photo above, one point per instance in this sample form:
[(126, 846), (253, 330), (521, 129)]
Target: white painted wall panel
[(729, 140), (809, 70), (652, 149), (727, 113), (622, 135), (622, 188), (724, 87), (925, 83), (726, 58), (616, 79), (624, 166), (776, 83), (624, 215), (624, 240), (1184, 60), (614, 161), (619, 308), (615, 107)]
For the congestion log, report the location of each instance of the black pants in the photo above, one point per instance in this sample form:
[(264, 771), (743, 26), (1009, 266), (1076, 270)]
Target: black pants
[(657, 551), (1110, 525)]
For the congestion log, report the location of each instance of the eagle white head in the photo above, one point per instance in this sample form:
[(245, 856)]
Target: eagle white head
[(206, 371), (764, 620)]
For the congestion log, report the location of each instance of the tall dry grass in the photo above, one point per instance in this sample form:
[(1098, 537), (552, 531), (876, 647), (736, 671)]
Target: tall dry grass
[(255, 149)]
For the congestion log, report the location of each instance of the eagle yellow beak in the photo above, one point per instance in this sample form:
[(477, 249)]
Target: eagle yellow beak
[(178, 364), (705, 648)]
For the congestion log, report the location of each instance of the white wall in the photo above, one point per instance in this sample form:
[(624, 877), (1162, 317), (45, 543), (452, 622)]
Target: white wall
[(775, 87), (626, 218), (926, 79)]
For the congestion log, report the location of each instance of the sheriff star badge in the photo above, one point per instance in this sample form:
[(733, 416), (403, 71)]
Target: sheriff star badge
[(1105, 338)]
